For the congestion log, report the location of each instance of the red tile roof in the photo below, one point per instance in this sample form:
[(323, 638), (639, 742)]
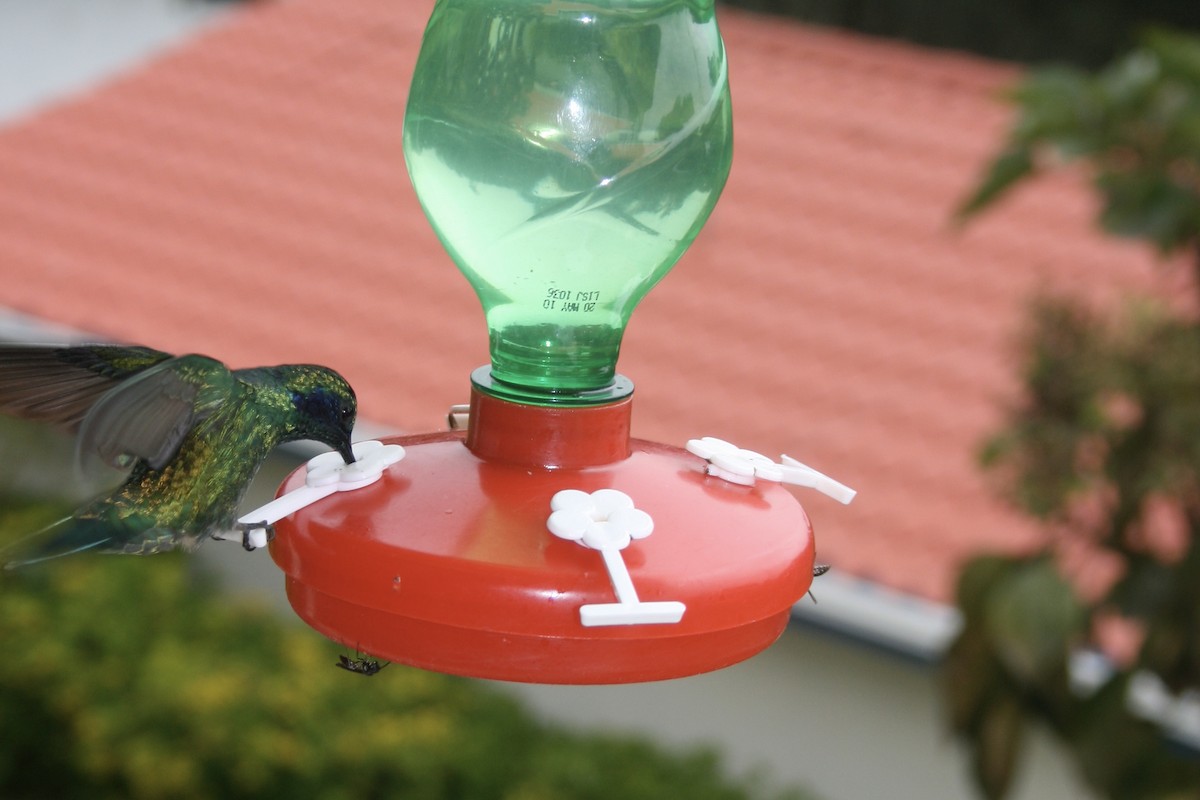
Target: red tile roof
[(246, 196)]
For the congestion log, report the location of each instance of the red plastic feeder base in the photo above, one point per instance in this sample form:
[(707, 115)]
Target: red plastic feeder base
[(447, 564)]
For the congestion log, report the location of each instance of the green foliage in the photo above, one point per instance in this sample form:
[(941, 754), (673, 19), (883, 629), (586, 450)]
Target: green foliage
[(122, 678), (1104, 448), (1135, 124), (1086, 32), (1021, 620)]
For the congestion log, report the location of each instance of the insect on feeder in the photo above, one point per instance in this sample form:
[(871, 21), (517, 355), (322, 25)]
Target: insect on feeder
[(566, 154)]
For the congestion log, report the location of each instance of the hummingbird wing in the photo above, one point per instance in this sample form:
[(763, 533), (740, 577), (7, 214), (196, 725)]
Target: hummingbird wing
[(80, 534), (148, 415), (59, 384)]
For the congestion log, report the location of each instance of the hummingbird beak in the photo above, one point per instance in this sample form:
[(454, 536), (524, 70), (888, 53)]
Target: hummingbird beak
[(346, 451)]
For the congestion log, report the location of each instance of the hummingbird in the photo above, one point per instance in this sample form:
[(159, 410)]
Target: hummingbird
[(192, 432)]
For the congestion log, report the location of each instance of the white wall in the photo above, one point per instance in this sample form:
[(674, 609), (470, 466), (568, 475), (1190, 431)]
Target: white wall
[(846, 720), (51, 49)]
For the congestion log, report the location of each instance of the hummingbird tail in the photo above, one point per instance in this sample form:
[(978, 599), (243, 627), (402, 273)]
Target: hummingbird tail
[(62, 538)]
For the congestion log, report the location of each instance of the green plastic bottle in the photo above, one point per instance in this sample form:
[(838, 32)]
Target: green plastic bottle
[(566, 154)]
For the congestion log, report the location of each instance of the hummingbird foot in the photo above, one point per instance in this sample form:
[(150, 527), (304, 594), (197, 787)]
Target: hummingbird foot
[(255, 534)]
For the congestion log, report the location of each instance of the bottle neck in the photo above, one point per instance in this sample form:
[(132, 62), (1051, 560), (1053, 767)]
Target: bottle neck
[(548, 436)]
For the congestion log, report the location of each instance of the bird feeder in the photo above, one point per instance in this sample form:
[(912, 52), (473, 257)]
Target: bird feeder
[(566, 154)]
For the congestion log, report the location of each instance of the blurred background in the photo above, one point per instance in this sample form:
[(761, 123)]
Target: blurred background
[(223, 177)]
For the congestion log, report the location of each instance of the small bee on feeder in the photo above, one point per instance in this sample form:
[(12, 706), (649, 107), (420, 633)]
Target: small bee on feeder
[(818, 571), (360, 664)]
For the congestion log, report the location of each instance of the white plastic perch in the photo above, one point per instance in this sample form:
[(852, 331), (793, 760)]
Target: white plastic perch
[(729, 462), (606, 520), (325, 474)]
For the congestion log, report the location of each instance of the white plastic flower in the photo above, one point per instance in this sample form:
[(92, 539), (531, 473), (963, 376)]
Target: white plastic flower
[(325, 475), (371, 458), (603, 520), (729, 462), (606, 520), (733, 464)]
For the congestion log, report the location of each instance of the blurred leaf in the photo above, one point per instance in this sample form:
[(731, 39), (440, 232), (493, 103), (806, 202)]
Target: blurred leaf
[(985, 703), (978, 578), (1009, 168), (1143, 589), (1108, 739), (1061, 108), (1040, 457), (1122, 755), (1178, 52), (970, 678), (1136, 127), (1149, 206), (1034, 618), (1171, 648), (997, 746)]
